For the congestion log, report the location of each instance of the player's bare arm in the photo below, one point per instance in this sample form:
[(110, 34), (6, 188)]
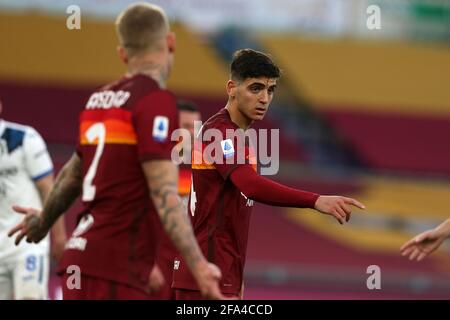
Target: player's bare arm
[(58, 231), (67, 188), (162, 179), (426, 242)]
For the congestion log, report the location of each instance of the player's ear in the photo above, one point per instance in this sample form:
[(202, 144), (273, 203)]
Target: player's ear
[(171, 42), (122, 54), (231, 88)]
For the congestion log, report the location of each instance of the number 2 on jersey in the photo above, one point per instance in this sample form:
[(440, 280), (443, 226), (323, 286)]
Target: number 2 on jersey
[(97, 130)]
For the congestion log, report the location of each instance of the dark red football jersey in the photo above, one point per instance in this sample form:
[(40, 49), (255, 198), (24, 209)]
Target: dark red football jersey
[(219, 211), (124, 123)]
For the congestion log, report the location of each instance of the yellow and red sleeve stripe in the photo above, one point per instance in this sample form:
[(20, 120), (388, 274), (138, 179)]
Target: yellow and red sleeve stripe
[(118, 124), (200, 163)]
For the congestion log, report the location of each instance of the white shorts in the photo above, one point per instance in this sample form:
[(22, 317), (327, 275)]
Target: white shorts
[(25, 276)]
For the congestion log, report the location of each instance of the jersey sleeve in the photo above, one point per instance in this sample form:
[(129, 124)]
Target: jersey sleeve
[(231, 152), (37, 159), (155, 118)]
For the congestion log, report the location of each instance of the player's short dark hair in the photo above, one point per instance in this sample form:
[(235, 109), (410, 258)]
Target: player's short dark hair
[(184, 105), (249, 63)]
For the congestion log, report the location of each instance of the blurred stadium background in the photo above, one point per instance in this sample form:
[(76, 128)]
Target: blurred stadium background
[(364, 113)]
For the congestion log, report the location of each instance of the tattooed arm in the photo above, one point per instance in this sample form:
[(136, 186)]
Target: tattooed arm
[(58, 231), (162, 179), (66, 189)]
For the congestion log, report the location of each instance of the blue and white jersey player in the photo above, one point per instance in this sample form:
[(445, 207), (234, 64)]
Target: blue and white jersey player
[(26, 178)]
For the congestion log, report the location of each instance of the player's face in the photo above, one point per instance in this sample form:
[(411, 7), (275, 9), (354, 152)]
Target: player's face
[(187, 119), (254, 96)]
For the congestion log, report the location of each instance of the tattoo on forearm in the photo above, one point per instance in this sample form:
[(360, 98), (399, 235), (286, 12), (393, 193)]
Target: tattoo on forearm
[(66, 189), (173, 216)]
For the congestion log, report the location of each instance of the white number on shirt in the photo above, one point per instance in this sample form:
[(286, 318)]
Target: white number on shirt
[(97, 130)]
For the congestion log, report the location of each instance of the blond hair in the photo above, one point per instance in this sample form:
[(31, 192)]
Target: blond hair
[(140, 26)]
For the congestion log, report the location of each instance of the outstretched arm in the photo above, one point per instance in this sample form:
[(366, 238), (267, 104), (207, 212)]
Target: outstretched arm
[(272, 193), (67, 188), (162, 179), (425, 243)]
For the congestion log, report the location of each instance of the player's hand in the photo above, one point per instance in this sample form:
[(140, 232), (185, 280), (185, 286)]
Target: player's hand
[(30, 227), (208, 276), (422, 245), (338, 207), (155, 280)]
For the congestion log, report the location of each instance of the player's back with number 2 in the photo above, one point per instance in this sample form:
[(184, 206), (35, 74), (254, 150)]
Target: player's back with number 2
[(123, 124)]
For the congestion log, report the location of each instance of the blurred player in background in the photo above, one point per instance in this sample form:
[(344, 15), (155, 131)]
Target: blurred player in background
[(26, 178), (222, 193), (123, 170), (162, 278), (425, 243)]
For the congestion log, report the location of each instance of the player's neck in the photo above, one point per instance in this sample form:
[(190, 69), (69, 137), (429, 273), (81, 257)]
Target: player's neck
[(238, 117), (149, 67)]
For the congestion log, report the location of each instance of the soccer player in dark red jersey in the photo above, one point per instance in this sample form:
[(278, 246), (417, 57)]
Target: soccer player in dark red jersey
[(123, 170), (223, 189), (161, 277)]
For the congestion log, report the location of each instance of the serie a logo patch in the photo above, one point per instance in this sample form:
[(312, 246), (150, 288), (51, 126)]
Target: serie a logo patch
[(160, 128), (227, 148)]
